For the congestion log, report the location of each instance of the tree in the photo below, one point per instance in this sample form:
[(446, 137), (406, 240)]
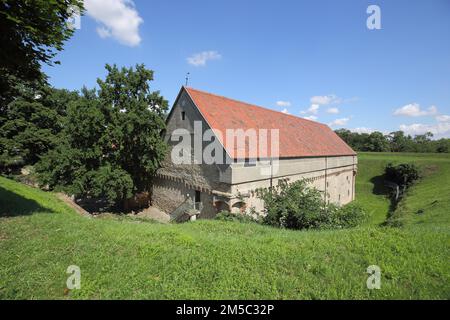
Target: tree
[(398, 141), (346, 135), (377, 142), (422, 142), (31, 125), (112, 139), (443, 145), (31, 33)]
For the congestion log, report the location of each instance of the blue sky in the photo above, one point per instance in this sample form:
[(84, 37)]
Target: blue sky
[(314, 59)]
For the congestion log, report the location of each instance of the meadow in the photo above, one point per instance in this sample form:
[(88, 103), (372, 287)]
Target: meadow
[(121, 257)]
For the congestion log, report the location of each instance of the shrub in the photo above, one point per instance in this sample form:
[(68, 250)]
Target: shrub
[(297, 206), (404, 174), (350, 215)]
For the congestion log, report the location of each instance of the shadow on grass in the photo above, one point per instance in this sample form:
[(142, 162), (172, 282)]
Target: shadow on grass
[(13, 205), (380, 188)]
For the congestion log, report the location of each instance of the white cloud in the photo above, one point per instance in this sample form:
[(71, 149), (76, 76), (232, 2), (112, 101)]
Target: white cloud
[(317, 101), (281, 103), (362, 130), (118, 19), (314, 109), (339, 122), (432, 110), (313, 118), (333, 110), (200, 59), (323, 100), (285, 111), (443, 118), (439, 130), (103, 32), (413, 110)]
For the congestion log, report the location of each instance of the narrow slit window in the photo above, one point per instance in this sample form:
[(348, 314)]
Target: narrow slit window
[(197, 196), (183, 115)]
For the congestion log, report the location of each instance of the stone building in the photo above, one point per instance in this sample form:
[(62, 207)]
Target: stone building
[(296, 149)]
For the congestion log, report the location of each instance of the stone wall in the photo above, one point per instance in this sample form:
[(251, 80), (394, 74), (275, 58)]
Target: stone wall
[(222, 186)]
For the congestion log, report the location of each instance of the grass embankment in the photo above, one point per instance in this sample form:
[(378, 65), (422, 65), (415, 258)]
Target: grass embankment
[(124, 258)]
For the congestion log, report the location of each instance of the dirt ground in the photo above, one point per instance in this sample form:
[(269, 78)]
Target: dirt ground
[(149, 213)]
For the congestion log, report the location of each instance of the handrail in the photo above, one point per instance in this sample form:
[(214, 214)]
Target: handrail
[(186, 207)]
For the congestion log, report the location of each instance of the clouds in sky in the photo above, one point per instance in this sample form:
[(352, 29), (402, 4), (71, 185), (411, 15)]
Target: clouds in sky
[(282, 103), (440, 129), (285, 111), (117, 19), (314, 109), (339, 122), (443, 118), (324, 100), (362, 130), (333, 110), (317, 101), (313, 118), (414, 110), (200, 59)]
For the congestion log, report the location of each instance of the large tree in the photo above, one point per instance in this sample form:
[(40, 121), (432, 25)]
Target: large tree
[(377, 142), (112, 139), (399, 142), (31, 125), (31, 33)]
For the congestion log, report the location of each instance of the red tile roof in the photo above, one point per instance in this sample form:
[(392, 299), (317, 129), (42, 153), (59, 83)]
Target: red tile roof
[(298, 137)]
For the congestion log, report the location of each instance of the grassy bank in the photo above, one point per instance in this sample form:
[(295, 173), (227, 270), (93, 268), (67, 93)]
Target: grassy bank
[(125, 258)]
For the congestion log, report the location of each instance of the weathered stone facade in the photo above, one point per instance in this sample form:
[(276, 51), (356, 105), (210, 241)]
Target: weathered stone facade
[(232, 186)]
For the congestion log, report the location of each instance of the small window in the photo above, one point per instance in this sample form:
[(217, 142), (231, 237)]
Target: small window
[(197, 196), (183, 115), (250, 163)]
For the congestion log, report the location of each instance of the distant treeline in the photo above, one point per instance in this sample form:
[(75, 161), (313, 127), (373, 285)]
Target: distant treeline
[(394, 142)]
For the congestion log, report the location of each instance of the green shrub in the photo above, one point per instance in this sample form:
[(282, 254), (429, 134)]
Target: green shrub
[(350, 215), (404, 174), (297, 206)]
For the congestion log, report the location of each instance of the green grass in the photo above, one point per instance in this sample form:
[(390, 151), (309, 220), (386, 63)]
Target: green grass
[(371, 193), (125, 258)]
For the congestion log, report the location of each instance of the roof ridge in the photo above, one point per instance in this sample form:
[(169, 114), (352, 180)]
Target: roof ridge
[(256, 106)]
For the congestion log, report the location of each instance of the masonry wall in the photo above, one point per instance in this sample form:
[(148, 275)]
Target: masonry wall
[(334, 176), (221, 185), (176, 182)]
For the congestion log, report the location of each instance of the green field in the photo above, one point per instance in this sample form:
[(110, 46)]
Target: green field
[(123, 258)]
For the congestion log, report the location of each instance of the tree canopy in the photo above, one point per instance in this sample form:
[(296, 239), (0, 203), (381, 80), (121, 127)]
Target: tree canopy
[(31, 33), (396, 141), (111, 142), (31, 124)]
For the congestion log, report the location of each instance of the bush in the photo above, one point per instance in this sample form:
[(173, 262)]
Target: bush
[(350, 215), (404, 174), (297, 206)]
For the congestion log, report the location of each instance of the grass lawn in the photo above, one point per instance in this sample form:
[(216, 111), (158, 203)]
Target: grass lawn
[(123, 258)]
